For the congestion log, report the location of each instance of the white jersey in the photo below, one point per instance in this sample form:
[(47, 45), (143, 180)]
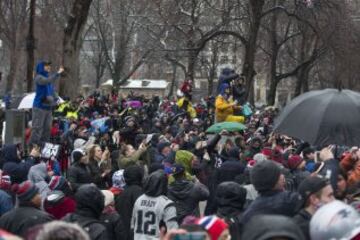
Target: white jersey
[(149, 214)]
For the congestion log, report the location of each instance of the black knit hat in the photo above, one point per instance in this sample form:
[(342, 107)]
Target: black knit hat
[(311, 185), (78, 154), (25, 191), (264, 176)]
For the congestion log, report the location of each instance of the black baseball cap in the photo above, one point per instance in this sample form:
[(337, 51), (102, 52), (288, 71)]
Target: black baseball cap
[(311, 185)]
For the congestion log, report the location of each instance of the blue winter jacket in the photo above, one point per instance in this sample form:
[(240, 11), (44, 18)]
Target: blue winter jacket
[(44, 86)]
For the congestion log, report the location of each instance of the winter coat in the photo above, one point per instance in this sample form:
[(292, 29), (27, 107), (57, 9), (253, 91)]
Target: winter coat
[(271, 226), (114, 225), (79, 174), (60, 209), (20, 219), (226, 76), (13, 166), (38, 175), (186, 105), (224, 108), (228, 171), (239, 93), (87, 213), (274, 202), (302, 219), (6, 202), (156, 184), (124, 203), (186, 196), (184, 158), (124, 162), (230, 200), (128, 134), (96, 173), (44, 86)]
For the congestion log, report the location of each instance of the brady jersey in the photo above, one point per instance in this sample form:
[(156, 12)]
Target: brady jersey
[(149, 214)]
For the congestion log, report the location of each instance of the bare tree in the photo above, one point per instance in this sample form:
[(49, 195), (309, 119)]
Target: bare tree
[(72, 45), (12, 21)]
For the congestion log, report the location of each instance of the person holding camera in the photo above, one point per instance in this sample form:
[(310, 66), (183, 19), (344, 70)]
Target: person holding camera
[(45, 100)]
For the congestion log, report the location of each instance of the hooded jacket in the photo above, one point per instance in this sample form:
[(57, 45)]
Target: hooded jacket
[(156, 184), (88, 212), (186, 196), (124, 203), (227, 75), (79, 174), (44, 86), (265, 227), (38, 175), (13, 166), (230, 199), (22, 218)]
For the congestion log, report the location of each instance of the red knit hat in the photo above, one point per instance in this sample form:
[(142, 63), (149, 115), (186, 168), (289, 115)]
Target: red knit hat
[(294, 161), (267, 152), (214, 226)]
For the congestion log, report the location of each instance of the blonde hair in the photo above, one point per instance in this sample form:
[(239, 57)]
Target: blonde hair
[(91, 151)]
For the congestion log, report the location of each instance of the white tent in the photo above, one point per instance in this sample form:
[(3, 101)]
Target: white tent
[(140, 84), (28, 100), (109, 82)]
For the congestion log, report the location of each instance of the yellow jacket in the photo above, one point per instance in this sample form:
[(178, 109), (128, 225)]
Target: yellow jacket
[(189, 109), (223, 108)]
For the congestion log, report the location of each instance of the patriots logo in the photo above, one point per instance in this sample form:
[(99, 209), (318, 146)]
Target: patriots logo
[(340, 216)]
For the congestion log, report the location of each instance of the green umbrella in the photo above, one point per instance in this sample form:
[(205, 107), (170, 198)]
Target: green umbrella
[(229, 126)]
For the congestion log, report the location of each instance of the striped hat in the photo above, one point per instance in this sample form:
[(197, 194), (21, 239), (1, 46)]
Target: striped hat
[(25, 191), (57, 182), (214, 226)]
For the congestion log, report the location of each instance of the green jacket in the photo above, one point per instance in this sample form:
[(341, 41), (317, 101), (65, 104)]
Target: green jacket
[(124, 162)]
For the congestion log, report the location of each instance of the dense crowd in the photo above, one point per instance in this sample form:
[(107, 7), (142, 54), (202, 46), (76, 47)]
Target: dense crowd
[(131, 167)]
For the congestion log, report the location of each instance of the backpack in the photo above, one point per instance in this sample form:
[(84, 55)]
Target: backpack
[(93, 227)]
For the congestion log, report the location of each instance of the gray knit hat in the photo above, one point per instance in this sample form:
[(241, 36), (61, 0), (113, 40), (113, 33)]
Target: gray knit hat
[(264, 176)]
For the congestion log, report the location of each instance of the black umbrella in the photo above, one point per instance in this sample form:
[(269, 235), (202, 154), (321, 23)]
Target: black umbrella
[(322, 118)]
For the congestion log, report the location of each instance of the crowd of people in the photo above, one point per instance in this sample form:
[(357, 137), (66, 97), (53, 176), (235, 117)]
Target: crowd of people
[(131, 167)]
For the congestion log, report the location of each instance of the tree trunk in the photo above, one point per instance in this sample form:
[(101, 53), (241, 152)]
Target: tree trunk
[(274, 81), (14, 61), (211, 82), (298, 86), (305, 79), (251, 47), (190, 75), (173, 80), (272, 92), (30, 47), (70, 82)]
